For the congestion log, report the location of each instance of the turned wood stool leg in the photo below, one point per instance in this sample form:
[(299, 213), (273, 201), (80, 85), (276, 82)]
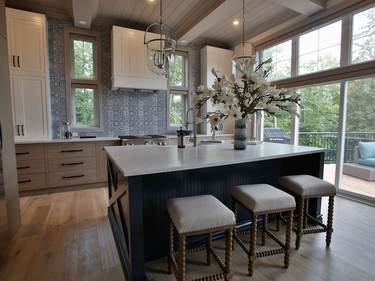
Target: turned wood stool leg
[(287, 238), (253, 236), (264, 227), (181, 259), (305, 212), (330, 220), (235, 210), (301, 207), (170, 252), (228, 254), (209, 248)]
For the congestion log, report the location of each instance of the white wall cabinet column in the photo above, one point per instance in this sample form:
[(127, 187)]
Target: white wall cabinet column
[(10, 218), (28, 64), (221, 60)]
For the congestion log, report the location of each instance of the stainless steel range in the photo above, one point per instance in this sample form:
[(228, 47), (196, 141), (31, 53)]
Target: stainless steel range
[(144, 140)]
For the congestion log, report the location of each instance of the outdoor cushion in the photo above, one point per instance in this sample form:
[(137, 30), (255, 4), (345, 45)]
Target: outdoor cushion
[(367, 162), (366, 149)]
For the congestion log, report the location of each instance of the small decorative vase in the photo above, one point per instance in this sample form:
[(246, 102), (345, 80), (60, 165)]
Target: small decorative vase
[(240, 136)]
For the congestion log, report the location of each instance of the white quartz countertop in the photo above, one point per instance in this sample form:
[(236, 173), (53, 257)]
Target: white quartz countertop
[(152, 159)]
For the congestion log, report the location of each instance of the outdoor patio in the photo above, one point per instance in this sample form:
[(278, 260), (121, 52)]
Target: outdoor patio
[(349, 183)]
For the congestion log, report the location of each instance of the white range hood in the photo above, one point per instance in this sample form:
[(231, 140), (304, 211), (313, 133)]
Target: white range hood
[(129, 62)]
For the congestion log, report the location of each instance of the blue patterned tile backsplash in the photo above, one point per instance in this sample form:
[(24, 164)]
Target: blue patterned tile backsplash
[(125, 112)]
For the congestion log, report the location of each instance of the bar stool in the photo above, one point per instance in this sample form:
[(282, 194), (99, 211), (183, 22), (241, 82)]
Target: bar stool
[(195, 215), (262, 200), (304, 187)]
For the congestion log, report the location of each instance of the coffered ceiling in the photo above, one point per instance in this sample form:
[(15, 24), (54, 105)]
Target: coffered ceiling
[(200, 21)]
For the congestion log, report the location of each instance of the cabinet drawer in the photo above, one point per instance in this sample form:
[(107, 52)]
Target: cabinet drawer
[(25, 151), (72, 163), (62, 178), (25, 167), (32, 181), (70, 150)]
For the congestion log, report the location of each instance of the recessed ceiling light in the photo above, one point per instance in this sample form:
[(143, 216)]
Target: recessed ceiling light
[(236, 22), (82, 22)]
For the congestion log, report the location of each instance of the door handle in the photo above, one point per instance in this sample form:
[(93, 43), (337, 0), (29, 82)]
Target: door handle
[(74, 163), (14, 61), (18, 61), (72, 150), (24, 167), (22, 130), (18, 130)]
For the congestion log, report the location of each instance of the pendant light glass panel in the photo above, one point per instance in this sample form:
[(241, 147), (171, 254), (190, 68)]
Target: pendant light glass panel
[(161, 42)]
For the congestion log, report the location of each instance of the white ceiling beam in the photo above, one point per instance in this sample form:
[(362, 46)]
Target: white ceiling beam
[(228, 7), (304, 7), (84, 12)]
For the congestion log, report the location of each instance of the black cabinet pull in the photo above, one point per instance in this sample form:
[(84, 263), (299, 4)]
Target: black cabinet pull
[(74, 163), (22, 153), (22, 130), (72, 150), (14, 61), (18, 61), (25, 181), (18, 130), (24, 167), (71, 177)]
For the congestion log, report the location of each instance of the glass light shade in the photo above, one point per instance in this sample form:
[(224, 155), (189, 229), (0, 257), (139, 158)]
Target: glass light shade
[(161, 43), (242, 52)]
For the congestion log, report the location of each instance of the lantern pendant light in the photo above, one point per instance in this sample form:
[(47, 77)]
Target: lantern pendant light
[(246, 50), (161, 42)]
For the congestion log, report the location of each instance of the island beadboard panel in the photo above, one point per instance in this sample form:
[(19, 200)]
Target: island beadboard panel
[(51, 165)]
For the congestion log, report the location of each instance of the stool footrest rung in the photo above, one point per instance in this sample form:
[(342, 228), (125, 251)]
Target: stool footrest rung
[(270, 253), (316, 221), (213, 277), (277, 240), (314, 230)]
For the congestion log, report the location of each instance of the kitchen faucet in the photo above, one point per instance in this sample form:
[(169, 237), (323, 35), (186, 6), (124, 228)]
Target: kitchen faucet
[(194, 140)]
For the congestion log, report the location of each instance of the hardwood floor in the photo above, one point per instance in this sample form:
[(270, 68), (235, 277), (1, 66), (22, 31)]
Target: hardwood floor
[(67, 236), (63, 236)]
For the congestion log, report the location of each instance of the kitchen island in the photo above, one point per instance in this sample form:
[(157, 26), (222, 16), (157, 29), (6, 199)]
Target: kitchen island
[(142, 178)]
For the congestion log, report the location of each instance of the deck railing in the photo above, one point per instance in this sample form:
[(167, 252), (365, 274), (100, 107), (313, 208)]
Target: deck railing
[(328, 140)]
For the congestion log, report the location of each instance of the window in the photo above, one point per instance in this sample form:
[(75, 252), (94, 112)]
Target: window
[(363, 36), (320, 49), (178, 89), (281, 55), (83, 80)]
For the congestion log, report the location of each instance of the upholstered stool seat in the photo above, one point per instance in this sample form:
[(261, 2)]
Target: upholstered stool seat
[(304, 187), (264, 199), (195, 215)]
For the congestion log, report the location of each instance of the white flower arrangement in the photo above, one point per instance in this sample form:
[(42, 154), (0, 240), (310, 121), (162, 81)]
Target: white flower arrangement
[(250, 95)]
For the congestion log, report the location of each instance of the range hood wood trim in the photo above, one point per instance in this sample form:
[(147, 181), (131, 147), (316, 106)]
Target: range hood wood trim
[(137, 82)]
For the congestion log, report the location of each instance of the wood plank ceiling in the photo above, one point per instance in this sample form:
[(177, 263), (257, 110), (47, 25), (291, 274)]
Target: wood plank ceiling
[(203, 22)]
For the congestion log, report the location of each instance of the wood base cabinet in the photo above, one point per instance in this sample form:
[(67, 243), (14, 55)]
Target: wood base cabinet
[(52, 165), (31, 167)]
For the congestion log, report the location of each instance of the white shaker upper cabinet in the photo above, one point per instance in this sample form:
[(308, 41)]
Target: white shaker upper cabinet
[(29, 79), (129, 62), (26, 42)]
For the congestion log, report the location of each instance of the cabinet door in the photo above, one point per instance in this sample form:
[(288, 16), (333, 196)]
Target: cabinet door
[(2, 19), (29, 106), (102, 158), (26, 42)]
